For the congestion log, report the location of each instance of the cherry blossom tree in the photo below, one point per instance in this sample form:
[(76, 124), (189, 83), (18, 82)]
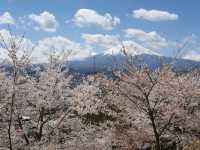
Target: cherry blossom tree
[(160, 97), (19, 58)]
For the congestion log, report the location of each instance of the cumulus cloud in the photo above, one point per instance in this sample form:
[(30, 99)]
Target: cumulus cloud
[(88, 17), (46, 46), (3, 53), (154, 15), (6, 18), (151, 40), (59, 44), (45, 21), (6, 36), (111, 44), (189, 48), (192, 55), (25, 45), (105, 41)]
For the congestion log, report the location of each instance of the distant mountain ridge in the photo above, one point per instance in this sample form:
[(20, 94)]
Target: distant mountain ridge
[(101, 62), (106, 63)]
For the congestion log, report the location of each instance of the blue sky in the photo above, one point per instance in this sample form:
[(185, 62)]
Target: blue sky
[(149, 22)]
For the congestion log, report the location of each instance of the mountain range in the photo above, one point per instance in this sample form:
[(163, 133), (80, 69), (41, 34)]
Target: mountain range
[(102, 63), (106, 63)]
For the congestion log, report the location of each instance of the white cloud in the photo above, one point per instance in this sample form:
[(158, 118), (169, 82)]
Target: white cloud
[(45, 21), (104, 41), (59, 44), (189, 48), (154, 15), (6, 18), (192, 55), (25, 45), (110, 44), (87, 17), (45, 46), (151, 40), (5, 34)]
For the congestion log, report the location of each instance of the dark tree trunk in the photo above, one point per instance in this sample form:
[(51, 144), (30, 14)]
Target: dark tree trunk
[(10, 120), (157, 137), (21, 127)]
